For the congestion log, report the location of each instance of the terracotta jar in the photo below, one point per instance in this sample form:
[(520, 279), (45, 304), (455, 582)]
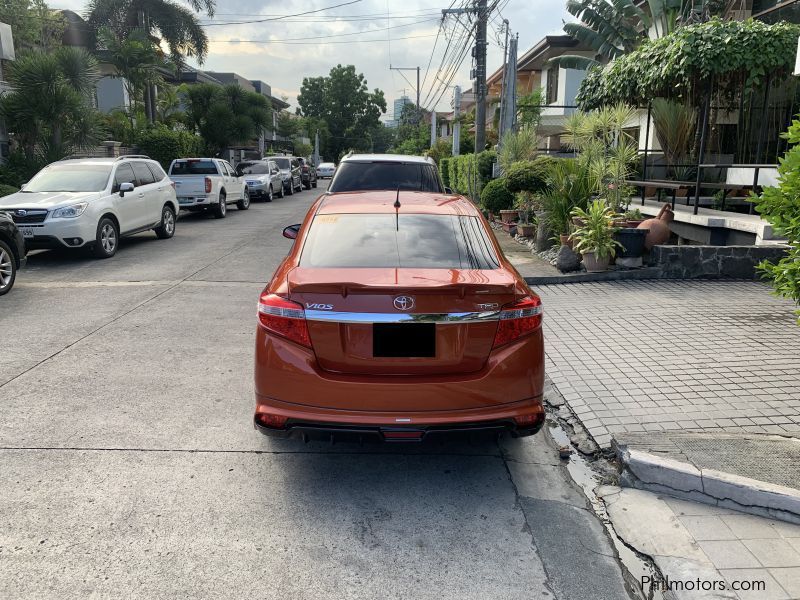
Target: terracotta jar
[(659, 227)]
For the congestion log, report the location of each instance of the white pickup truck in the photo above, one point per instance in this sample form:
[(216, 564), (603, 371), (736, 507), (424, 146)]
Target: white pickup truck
[(208, 183)]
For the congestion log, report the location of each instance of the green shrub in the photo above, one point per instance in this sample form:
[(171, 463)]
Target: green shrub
[(780, 206), (485, 161), (496, 196), (7, 190), (444, 170), (165, 145), (530, 175)]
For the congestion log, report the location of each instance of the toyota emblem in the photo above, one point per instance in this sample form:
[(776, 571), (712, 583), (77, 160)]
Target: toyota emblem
[(22, 212), (404, 303)]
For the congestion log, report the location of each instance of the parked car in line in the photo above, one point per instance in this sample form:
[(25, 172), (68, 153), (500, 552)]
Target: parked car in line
[(326, 170), (290, 172), (91, 202), (308, 173), (396, 317), (12, 252), (262, 177), (208, 184), (363, 172)]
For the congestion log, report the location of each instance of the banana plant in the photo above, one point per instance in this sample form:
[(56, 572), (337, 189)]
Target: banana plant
[(615, 27)]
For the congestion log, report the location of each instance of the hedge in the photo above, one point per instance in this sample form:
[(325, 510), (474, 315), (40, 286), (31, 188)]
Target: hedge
[(7, 190), (468, 173), (165, 145), (444, 170)]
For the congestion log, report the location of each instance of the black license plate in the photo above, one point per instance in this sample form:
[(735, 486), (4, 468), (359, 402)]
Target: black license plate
[(404, 340)]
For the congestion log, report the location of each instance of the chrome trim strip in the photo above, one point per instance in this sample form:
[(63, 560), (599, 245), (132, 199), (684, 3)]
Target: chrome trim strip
[(444, 318)]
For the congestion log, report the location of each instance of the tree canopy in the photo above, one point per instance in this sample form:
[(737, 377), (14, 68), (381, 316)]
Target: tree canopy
[(225, 116), (33, 24), (49, 109), (343, 101), (735, 54), (173, 23)]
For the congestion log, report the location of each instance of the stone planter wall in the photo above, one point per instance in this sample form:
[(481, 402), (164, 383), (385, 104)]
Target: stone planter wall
[(712, 262)]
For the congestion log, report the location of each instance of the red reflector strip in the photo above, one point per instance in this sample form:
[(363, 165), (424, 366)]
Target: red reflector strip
[(272, 421), (403, 435)]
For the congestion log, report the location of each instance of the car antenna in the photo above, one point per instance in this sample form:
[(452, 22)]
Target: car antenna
[(397, 209)]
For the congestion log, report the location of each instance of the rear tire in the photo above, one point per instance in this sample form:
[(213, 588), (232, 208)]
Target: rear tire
[(314, 184), (106, 240), (8, 268), (167, 228), (221, 209), (244, 203)]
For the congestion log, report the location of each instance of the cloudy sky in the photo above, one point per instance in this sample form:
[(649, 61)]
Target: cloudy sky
[(369, 34)]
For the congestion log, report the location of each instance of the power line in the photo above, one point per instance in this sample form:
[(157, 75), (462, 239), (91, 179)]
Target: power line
[(308, 12), (412, 37), (337, 35)]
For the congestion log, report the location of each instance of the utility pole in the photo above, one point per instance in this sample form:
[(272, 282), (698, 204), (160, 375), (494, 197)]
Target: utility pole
[(433, 128), (480, 75), (419, 108), (456, 124), (503, 106)]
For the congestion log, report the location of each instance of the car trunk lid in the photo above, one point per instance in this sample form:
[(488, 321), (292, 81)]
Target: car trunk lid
[(395, 321)]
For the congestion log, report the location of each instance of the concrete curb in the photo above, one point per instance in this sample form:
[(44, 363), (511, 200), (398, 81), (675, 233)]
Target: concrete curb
[(627, 274), (644, 470)]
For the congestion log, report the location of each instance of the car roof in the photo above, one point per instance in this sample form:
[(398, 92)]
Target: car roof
[(396, 158), (383, 202), (99, 161)]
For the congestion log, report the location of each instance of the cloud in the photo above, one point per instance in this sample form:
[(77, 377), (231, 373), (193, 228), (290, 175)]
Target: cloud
[(370, 47)]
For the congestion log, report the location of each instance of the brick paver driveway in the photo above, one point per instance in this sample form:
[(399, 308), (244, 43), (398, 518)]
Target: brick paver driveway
[(674, 355)]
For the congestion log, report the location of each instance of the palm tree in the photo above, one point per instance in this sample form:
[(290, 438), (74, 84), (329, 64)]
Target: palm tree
[(615, 27), (164, 20), (135, 60), (49, 109)]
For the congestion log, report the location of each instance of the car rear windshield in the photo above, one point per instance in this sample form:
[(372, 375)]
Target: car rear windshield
[(258, 168), (359, 176), (283, 163), (193, 167), (70, 178), (391, 241)]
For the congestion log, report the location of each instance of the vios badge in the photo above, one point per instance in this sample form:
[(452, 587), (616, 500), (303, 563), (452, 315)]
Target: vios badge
[(404, 302)]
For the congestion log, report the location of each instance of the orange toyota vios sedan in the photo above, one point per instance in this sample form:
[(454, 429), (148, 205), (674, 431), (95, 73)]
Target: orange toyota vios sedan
[(396, 317)]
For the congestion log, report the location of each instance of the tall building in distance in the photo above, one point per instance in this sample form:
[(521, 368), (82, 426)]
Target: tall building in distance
[(398, 106)]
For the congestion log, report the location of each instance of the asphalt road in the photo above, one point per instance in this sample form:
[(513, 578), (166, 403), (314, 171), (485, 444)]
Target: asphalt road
[(129, 467)]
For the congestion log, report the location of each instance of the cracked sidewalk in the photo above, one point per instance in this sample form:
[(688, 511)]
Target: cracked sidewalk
[(693, 543)]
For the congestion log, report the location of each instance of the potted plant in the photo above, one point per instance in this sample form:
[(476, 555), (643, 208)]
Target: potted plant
[(633, 218), (526, 205), (595, 238), (496, 198)]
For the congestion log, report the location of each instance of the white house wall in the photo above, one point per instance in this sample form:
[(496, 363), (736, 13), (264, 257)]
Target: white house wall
[(112, 95)]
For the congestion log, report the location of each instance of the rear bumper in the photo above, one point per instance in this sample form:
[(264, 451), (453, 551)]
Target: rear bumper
[(518, 419), (188, 202)]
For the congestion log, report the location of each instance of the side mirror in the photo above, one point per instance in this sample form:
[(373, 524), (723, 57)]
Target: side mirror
[(124, 188), (291, 231), (447, 190)]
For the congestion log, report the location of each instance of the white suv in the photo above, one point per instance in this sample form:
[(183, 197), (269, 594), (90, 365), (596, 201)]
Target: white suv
[(91, 202)]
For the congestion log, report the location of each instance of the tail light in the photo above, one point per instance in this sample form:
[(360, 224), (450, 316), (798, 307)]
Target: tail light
[(208, 185), (284, 318), (518, 320)]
